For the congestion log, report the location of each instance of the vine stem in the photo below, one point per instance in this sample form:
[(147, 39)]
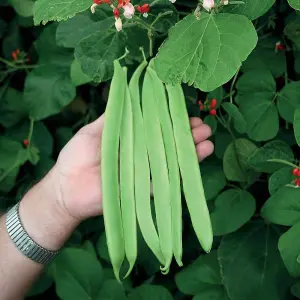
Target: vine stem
[(30, 130), (232, 85)]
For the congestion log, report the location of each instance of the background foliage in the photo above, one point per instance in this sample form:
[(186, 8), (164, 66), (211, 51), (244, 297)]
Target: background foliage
[(59, 82)]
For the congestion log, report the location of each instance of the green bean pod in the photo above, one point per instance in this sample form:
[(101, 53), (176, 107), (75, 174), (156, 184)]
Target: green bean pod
[(142, 170), (189, 167), (171, 154), (159, 169), (110, 169), (127, 182)]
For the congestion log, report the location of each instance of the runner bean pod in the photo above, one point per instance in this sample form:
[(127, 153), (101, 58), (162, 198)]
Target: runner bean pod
[(159, 169), (189, 167), (110, 169), (173, 168), (142, 170)]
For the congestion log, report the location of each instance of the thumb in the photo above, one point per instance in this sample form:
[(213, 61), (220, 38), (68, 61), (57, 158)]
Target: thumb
[(95, 128)]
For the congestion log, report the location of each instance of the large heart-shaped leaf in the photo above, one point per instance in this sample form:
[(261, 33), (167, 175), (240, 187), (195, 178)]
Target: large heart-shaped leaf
[(289, 100), (205, 52), (295, 4), (233, 208), (289, 247), (251, 265), (283, 207), (57, 10), (251, 8)]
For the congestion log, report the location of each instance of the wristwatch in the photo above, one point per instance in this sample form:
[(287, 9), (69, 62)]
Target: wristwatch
[(23, 241)]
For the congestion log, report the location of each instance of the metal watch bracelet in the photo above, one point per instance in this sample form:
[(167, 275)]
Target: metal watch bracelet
[(22, 240)]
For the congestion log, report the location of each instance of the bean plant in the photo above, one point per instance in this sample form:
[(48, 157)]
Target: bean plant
[(149, 64)]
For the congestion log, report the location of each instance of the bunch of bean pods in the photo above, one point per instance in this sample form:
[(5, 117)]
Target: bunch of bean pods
[(147, 136)]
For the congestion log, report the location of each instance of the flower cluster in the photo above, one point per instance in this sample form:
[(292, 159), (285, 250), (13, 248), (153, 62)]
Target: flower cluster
[(15, 54), (279, 46), (209, 106), (296, 172), (124, 6)]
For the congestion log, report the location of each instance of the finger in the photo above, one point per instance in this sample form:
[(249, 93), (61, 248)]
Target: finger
[(95, 128), (201, 133), (195, 122), (204, 149)]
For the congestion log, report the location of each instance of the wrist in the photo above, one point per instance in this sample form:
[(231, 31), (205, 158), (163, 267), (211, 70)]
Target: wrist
[(43, 216)]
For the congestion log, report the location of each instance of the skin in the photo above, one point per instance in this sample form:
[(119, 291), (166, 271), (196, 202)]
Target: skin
[(68, 194)]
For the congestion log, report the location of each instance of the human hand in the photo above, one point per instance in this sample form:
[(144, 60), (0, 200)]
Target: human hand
[(76, 175)]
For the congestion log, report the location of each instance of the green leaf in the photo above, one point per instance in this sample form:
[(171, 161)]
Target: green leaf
[(291, 30), (283, 207), (13, 155), (211, 122), (295, 4), (280, 178), (233, 208), (24, 8), (202, 274), (72, 31), (289, 248), (222, 141), (149, 292), (48, 90), (12, 107), (238, 119), (205, 52), (49, 52), (96, 53), (77, 76), (272, 150), (218, 293), (250, 8), (264, 57), (289, 100), (297, 125), (41, 285), (44, 165), (251, 264), (235, 160), (80, 270), (63, 135), (256, 91), (213, 179), (56, 10), (111, 290), (41, 137), (295, 289)]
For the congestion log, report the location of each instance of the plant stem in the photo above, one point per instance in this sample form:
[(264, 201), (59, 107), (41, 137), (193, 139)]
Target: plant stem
[(30, 130), (232, 85)]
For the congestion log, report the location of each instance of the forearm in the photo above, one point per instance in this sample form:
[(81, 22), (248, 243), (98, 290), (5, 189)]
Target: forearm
[(47, 224)]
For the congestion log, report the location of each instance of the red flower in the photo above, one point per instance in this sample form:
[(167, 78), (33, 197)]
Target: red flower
[(213, 103), (279, 46), (26, 143), (295, 172), (116, 13), (297, 181), (213, 112), (15, 54), (122, 3), (101, 1), (145, 8), (200, 105)]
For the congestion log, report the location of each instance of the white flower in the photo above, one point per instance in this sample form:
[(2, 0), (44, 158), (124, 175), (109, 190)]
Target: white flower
[(93, 7), (208, 4), (145, 15), (172, 1), (128, 11), (225, 2), (118, 24)]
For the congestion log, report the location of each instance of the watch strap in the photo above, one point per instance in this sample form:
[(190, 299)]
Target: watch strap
[(23, 241)]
